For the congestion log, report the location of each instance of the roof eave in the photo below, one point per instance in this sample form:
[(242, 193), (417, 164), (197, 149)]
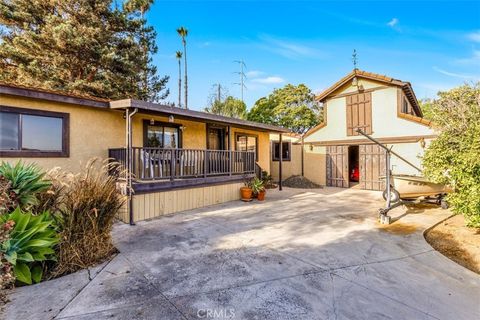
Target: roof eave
[(155, 108)]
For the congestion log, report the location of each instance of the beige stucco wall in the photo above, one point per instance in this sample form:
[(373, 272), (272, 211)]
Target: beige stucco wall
[(263, 146), (315, 164), (194, 133), (289, 168), (93, 131), (385, 122)]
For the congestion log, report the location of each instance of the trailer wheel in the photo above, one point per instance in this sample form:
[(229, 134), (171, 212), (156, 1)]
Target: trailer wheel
[(394, 195), (444, 204)]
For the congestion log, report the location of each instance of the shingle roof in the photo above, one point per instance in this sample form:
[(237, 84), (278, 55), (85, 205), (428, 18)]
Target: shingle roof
[(56, 92)]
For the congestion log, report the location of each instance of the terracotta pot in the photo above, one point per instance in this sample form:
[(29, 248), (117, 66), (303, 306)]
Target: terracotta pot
[(261, 195), (246, 193)]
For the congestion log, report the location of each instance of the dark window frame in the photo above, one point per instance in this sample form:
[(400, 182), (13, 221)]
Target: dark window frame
[(405, 106), (147, 123), (251, 135), (289, 158), (64, 153)]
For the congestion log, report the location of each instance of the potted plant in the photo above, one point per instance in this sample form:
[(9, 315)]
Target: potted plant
[(246, 191), (258, 188)]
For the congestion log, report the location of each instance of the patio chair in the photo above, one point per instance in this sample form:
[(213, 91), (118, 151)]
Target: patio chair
[(150, 161)]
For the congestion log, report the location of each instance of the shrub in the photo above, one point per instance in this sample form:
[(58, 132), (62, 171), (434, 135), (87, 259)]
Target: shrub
[(453, 158), (6, 270), (26, 181), (256, 185), (31, 242), (90, 202), (5, 189), (51, 198)]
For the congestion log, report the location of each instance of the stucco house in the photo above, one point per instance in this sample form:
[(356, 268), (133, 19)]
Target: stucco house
[(335, 154), (173, 159)]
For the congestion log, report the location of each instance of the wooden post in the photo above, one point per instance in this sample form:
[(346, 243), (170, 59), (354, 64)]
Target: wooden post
[(205, 163), (229, 143), (172, 164), (280, 164)]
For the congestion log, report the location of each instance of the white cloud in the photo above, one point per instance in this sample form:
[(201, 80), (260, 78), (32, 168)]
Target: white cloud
[(455, 75), (269, 80), (254, 73), (205, 44), (474, 36), (474, 59), (393, 23), (289, 49)]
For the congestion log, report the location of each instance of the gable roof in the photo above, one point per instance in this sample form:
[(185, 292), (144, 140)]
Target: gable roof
[(404, 85)]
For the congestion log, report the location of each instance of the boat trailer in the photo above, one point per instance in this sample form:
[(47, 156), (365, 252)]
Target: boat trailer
[(427, 192)]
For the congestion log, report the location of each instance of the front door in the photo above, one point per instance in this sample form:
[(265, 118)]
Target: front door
[(337, 166), (216, 139)]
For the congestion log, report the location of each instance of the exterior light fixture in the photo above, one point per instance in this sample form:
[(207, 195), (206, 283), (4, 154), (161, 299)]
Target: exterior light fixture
[(171, 118), (183, 128), (311, 147), (355, 81), (152, 122), (423, 143)]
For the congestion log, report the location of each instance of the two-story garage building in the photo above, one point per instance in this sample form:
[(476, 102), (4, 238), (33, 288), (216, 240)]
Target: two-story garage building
[(335, 154)]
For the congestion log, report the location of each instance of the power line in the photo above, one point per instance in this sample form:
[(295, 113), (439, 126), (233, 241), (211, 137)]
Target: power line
[(242, 75)]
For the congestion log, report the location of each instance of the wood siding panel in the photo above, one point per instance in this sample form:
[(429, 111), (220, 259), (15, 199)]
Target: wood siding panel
[(372, 167), (359, 113), (337, 166), (151, 205)]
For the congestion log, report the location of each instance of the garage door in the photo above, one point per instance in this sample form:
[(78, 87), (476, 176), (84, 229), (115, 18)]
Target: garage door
[(337, 166), (372, 167)]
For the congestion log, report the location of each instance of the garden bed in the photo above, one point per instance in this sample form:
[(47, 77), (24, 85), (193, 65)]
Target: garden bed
[(457, 242)]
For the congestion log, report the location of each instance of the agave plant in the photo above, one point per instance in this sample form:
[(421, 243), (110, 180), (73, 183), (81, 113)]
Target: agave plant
[(26, 182), (31, 242), (257, 185)]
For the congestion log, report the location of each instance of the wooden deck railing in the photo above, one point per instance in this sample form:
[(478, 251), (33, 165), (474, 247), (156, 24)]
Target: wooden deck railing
[(169, 164)]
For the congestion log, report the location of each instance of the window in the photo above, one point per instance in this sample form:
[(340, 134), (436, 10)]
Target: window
[(161, 135), (286, 146), (33, 133), (405, 108), (245, 142)]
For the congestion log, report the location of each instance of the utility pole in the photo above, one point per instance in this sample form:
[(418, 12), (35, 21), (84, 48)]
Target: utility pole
[(219, 92), (242, 75)]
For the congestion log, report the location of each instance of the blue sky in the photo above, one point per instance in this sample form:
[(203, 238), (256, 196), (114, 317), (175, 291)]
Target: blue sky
[(434, 45)]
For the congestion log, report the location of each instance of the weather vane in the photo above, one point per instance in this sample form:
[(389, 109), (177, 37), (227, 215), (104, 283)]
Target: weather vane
[(354, 59)]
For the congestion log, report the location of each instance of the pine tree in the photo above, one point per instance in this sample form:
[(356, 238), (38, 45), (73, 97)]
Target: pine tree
[(79, 46)]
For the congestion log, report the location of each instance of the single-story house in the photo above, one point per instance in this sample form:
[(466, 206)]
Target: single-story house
[(174, 159), (335, 154)]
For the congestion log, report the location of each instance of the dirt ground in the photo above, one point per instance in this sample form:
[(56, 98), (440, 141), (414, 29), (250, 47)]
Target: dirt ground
[(457, 242), (300, 182)]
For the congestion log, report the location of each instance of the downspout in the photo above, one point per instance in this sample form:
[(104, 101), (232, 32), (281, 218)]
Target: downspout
[(128, 137), (280, 163), (302, 155)]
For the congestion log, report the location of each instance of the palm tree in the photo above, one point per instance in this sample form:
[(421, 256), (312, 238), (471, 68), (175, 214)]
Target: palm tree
[(178, 55), (183, 33)]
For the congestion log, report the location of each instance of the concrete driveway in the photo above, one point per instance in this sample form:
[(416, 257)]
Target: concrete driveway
[(302, 254)]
